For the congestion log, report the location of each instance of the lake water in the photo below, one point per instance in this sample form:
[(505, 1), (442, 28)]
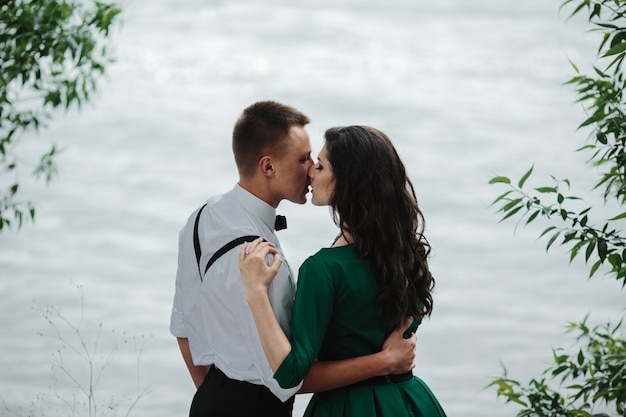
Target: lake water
[(467, 91)]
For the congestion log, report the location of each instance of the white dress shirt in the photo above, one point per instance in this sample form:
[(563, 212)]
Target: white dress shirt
[(213, 313)]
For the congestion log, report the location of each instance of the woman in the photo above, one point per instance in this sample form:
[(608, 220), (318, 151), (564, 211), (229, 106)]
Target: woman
[(353, 294)]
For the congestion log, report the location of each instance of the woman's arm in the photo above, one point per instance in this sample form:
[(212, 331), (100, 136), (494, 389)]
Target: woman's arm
[(275, 344), (397, 355), (257, 276)]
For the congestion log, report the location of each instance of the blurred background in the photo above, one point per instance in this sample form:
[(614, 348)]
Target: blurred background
[(466, 90)]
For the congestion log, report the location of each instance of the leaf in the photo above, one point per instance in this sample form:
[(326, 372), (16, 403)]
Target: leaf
[(600, 73), (592, 119), (533, 216), (607, 25), (525, 177), (508, 206), (594, 268), (546, 190), (569, 236), (578, 9), (500, 197), (53, 97), (552, 239), (602, 249), (511, 213), (615, 260), (549, 229), (585, 147), (574, 251), (618, 60), (596, 11), (617, 49), (590, 247), (619, 216), (503, 180)]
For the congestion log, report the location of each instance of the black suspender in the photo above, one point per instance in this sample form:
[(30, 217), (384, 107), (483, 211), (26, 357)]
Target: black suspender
[(233, 243), (196, 241), (221, 251)]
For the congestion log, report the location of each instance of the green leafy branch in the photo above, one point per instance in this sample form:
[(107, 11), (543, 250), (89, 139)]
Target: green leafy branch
[(603, 95), (606, 242), (52, 54), (591, 381), (591, 377)]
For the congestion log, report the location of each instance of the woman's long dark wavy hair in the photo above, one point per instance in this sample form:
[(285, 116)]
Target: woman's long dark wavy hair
[(374, 201)]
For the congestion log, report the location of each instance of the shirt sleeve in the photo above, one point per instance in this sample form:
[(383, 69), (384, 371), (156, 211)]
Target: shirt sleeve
[(177, 322), (312, 311), (185, 319)]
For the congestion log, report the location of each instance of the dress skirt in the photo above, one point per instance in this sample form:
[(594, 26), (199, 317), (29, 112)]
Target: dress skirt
[(409, 398)]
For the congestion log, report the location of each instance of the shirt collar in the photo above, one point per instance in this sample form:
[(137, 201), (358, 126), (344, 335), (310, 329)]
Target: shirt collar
[(255, 205)]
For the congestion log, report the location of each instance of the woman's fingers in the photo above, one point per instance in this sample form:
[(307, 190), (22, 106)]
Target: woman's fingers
[(255, 246), (256, 272), (258, 244), (254, 255)]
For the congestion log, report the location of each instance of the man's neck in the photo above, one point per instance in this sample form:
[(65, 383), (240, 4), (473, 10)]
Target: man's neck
[(258, 190)]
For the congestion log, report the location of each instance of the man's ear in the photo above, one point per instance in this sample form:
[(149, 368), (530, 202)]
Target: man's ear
[(265, 164)]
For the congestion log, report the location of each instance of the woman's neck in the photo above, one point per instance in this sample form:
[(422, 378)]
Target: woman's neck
[(344, 238)]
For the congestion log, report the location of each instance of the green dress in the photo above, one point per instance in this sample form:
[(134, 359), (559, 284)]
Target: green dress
[(334, 317)]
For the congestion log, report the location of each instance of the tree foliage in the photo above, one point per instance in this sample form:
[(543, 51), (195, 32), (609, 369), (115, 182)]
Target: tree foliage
[(593, 376), (602, 94), (576, 383), (52, 53)]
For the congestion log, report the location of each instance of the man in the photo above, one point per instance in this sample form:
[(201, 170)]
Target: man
[(211, 318)]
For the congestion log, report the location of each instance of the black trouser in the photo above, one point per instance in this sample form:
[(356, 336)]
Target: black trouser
[(220, 396)]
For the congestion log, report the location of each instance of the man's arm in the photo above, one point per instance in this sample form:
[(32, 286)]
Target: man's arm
[(396, 357), (198, 373)]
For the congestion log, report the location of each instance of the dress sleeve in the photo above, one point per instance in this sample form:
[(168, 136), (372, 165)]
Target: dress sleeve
[(312, 310)]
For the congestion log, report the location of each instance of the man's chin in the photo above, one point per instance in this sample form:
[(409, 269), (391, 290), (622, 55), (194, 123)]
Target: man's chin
[(301, 200)]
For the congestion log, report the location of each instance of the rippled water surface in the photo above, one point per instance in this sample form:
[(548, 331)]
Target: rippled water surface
[(467, 91)]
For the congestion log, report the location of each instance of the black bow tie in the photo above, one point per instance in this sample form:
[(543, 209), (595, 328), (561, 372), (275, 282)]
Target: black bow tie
[(281, 222)]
